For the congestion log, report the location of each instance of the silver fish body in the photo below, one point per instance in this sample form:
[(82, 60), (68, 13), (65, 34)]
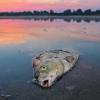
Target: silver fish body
[(51, 65)]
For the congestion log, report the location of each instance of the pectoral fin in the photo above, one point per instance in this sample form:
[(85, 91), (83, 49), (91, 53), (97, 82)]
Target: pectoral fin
[(70, 59)]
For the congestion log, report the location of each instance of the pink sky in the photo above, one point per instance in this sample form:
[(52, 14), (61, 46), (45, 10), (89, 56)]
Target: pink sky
[(20, 5)]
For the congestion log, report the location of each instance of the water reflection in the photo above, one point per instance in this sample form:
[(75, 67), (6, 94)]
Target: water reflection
[(69, 19), (20, 31), (77, 19), (20, 40)]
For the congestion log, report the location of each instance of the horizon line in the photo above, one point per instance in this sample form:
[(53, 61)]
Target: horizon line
[(53, 10)]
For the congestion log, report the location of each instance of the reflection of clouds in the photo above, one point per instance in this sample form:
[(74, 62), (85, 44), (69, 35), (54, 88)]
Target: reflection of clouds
[(41, 2), (8, 38), (22, 31), (87, 37), (46, 1)]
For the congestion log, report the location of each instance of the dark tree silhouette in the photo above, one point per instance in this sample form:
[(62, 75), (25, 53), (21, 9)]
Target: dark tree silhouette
[(77, 12), (66, 12), (97, 12), (88, 12), (52, 12)]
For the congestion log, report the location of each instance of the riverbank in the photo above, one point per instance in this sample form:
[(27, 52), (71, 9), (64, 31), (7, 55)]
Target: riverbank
[(54, 17)]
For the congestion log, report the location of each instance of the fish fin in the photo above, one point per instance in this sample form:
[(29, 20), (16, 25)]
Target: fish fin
[(69, 59)]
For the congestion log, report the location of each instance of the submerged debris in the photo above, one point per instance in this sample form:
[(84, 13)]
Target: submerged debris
[(51, 65), (6, 96)]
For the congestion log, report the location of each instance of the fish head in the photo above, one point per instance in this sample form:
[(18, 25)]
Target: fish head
[(45, 75)]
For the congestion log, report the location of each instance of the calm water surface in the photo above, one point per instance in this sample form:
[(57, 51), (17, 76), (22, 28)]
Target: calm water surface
[(20, 40)]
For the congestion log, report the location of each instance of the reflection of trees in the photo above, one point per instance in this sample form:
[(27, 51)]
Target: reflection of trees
[(87, 20), (69, 19), (77, 20)]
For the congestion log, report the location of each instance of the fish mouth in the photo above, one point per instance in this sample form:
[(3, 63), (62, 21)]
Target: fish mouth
[(45, 83)]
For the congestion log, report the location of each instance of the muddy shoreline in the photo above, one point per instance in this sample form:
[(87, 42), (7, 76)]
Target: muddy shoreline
[(55, 17)]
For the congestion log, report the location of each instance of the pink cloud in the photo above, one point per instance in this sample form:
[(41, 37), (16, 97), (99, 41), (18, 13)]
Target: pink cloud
[(58, 4)]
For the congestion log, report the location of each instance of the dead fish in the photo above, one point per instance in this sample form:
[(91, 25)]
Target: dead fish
[(51, 65)]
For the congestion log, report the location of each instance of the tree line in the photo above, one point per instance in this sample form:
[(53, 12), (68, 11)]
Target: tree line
[(68, 12)]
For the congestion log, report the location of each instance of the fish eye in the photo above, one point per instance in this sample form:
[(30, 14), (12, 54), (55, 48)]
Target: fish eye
[(43, 68)]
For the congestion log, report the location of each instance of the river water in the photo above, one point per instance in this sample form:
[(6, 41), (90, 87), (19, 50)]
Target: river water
[(20, 40)]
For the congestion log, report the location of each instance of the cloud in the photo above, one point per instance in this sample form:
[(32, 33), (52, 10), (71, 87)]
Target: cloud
[(51, 1), (13, 5), (40, 2)]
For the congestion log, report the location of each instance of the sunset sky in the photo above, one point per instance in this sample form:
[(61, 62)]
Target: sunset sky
[(20, 5)]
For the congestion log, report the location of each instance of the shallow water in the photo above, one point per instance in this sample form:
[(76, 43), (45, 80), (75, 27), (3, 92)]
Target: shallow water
[(20, 40)]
